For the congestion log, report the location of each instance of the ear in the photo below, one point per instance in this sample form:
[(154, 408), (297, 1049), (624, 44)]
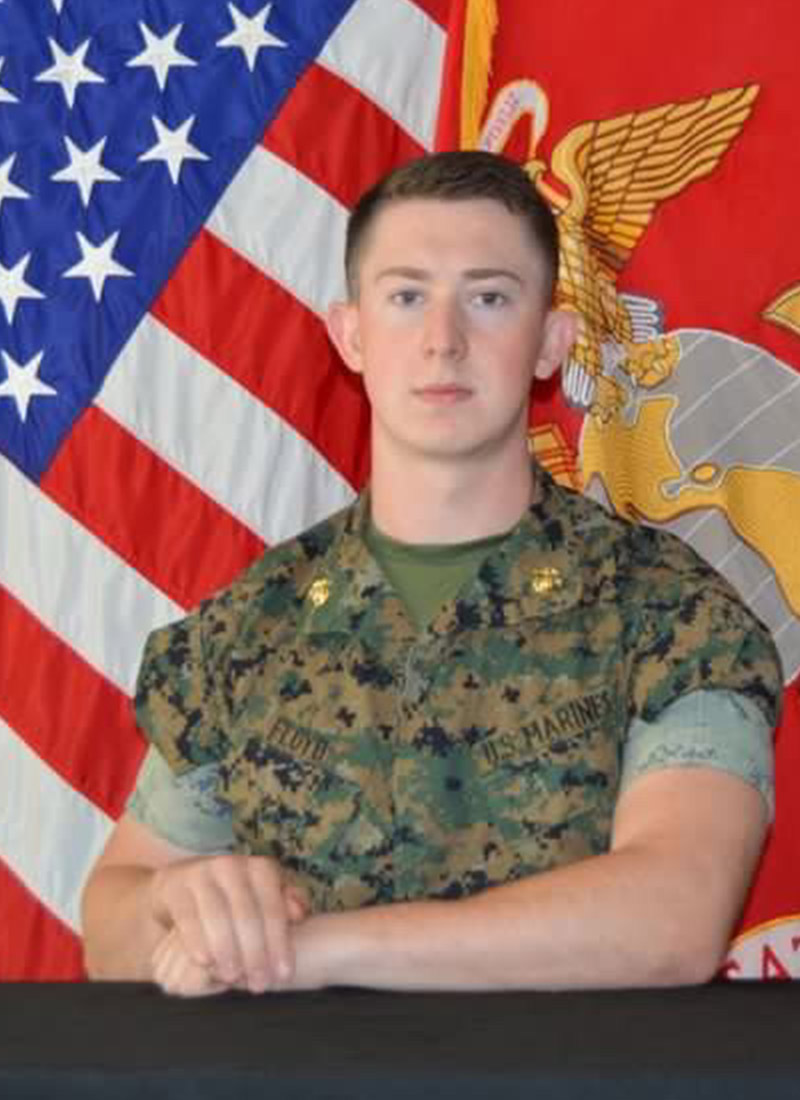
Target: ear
[(560, 333), (344, 330)]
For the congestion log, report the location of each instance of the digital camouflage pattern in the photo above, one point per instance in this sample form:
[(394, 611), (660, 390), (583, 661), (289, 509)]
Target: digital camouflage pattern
[(379, 763)]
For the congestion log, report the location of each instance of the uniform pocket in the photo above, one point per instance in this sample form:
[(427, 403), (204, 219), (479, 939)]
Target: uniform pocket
[(294, 798)]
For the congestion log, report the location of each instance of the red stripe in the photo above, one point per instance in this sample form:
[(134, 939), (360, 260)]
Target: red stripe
[(311, 390), (317, 122), (65, 711), (34, 945), (438, 9), (112, 484)]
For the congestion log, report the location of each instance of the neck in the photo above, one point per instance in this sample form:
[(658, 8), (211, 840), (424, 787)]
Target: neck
[(421, 501)]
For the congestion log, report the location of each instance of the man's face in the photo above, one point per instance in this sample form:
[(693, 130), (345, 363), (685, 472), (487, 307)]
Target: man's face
[(450, 327)]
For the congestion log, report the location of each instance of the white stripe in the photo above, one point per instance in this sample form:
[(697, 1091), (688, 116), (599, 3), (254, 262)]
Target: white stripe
[(287, 226), (219, 436), (73, 583), (50, 836), (392, 52)]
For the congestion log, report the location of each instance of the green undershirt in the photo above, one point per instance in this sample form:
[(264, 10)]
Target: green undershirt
[(427, 575)]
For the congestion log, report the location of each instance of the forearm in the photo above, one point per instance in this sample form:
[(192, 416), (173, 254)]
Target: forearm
[(119, 928), (657, 909), (613, 920)]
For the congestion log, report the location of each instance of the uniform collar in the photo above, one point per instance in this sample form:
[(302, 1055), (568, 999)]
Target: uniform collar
[(534, 573)]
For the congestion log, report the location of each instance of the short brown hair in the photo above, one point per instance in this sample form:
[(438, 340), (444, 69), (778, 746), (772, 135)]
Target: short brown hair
[(456, 176)]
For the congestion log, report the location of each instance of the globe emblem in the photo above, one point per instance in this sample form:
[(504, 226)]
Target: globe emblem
[(712, 453)]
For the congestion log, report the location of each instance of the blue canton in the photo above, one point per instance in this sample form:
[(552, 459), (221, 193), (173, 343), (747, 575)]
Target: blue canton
[(121, 124)]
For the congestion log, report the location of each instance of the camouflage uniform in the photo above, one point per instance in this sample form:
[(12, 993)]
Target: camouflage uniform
[(380, 763)]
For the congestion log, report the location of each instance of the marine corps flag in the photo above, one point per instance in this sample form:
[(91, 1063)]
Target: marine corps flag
[(667, 141)]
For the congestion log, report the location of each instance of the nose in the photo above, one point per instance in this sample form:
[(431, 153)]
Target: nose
[(444, 336)]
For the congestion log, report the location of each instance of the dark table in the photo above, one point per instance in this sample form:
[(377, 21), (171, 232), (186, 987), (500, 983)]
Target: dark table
[(728, 1041)]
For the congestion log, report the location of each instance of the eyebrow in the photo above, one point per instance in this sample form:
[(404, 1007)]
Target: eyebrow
[(473, 274)]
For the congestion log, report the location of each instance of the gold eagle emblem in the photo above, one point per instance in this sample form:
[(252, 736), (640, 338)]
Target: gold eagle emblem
[(608, 179)]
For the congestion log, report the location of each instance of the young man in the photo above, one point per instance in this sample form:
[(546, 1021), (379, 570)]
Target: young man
[(471, 733)]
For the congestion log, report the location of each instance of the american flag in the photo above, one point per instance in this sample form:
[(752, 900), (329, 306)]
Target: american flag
[(174, 183)]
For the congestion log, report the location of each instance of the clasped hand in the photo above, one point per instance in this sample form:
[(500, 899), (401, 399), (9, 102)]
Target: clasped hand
[(228, 925)]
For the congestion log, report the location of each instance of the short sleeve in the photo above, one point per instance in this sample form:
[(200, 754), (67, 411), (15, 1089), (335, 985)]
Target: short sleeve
[(688, 630), (178, 705), (709, 729), (185, 809)]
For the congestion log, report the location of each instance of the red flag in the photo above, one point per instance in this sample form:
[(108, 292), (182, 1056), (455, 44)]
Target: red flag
[(665, 136), (225, 422)]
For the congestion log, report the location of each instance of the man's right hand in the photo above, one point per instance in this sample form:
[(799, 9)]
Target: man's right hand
[(230, 914)]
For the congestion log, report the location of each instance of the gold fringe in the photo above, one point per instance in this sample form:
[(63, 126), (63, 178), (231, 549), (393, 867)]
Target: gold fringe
[(482, 20)]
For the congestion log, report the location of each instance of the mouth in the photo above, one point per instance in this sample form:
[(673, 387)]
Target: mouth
[(444, 394)]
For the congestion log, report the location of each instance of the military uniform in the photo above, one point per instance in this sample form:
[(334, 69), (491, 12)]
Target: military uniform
[(378, 762)]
